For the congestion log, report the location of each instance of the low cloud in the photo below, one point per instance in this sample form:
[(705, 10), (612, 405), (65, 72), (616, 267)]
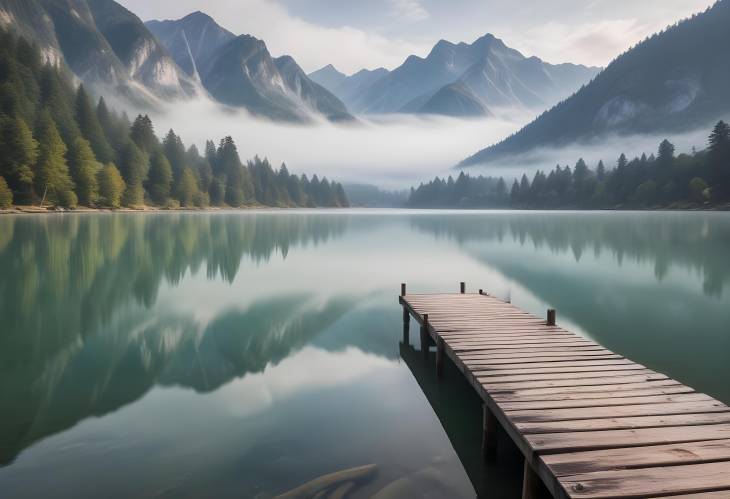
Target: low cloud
[(606, 149), (393, 151)]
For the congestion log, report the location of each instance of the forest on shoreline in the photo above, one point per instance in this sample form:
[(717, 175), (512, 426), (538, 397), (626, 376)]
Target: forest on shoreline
[(60, 149), (700, 180)]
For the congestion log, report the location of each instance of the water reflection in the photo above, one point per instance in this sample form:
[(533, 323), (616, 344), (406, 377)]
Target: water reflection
[(79, 336), (646, 285), (245, 355), (459, 409)]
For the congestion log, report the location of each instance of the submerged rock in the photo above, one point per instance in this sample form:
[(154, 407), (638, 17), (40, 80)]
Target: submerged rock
[(332, 486)]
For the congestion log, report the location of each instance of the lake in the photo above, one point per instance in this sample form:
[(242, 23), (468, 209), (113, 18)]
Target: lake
[(244, 354)]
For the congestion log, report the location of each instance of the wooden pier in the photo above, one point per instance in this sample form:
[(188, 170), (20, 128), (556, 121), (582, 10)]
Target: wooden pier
[(590, 423)]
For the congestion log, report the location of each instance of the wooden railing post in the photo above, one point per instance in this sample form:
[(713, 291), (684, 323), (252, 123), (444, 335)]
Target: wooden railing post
[(462, 287), (551, 317)]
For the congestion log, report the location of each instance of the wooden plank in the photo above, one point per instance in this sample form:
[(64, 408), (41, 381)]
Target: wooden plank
[(575, 370), (593, 389), (508, 378), (583, 363), (540, 359), (602, 402), (617, 411), (640, 483), (551, 443), (573, 382), (623, 423), (561, 394), (574, 463)]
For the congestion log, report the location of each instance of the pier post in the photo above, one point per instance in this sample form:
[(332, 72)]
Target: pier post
[(481, 292), (440, 353), (551, 317), (424, 337), (462, 287), (406, 316), (489, 435), (531, 483)]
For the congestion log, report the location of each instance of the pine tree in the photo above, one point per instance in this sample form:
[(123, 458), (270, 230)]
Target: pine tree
[(188, 188), (18, 155), (56, 95), (143, 135), (52, 179), (134, 169), (84, 170), (90, 127), (159, 180), (111, 186), (175, 152), (342, 200), (719, 155), (6, 195)]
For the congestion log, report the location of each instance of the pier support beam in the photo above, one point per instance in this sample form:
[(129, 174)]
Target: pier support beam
[(462, 287), (489, 436), (440, 356), (531, 483), (425, 340), (406, 316)]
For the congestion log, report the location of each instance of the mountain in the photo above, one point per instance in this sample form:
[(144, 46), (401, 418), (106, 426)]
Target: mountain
[(328, 77), (458, 80), (239, 71), (195, 37), (349, 89), (676, 80), (455, 99), (103, 44)]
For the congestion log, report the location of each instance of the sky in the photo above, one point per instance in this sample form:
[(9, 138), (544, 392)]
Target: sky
[(356, 34)]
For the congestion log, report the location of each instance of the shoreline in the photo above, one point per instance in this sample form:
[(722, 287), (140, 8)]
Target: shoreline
[(35, 210)]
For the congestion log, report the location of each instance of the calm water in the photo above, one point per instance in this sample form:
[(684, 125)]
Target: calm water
[(245, 354)]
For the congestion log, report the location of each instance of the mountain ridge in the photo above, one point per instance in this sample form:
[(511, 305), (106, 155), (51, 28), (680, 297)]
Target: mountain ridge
[(239, 71), (486, 72), (675, 80)]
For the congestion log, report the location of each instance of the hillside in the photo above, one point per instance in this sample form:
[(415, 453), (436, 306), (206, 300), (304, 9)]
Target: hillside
[(674, 81)]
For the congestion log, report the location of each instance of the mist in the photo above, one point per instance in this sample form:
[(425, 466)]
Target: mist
[(606, 148), (392, 151), (396, 151)]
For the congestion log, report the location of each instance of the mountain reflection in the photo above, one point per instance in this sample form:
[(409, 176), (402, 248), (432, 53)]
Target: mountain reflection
[(616, 284), (696, 241), (80, 336)]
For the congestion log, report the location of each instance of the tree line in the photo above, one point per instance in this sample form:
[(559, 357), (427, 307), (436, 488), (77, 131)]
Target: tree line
[(698, 179), (59, 147)]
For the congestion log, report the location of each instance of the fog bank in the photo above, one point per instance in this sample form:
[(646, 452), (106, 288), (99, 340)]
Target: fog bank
[(393, 151)]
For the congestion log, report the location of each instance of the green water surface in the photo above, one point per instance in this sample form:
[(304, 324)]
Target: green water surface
[(244, 354)]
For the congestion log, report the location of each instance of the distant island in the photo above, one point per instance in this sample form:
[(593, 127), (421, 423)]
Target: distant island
[(700, 180), (58, 149)]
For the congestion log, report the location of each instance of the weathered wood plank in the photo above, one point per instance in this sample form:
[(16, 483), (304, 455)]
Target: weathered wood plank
[(574, 463), (623, 423), (643, 482), (551, 443), (604, 402), (664, 409)]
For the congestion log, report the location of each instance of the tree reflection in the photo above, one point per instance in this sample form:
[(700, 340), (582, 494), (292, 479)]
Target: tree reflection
[(79, 336)]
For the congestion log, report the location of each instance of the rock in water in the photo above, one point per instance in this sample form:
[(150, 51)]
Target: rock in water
[(325, 482)]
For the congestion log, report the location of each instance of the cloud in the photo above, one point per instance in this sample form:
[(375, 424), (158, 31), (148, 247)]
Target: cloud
[(392, 150), (411, 10), (313, 46)]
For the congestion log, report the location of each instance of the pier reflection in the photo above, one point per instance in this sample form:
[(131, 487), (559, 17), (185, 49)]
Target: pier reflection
[(459, 409)]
